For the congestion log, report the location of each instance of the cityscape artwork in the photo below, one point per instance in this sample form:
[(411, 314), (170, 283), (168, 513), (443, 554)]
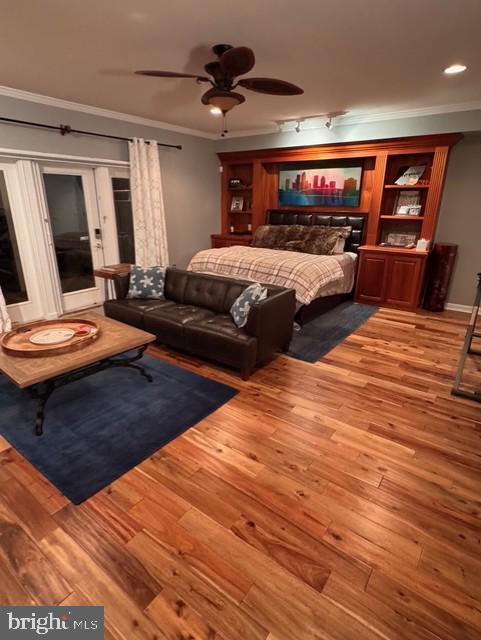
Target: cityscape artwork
[(322, 187)]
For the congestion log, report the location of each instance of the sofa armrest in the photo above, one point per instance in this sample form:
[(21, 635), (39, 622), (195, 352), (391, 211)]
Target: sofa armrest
[(271, 321), (121, 285)]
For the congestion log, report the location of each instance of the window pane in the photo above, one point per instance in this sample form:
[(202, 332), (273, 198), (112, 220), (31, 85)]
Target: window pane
[(68, 220), (11, 274), (123, 214)]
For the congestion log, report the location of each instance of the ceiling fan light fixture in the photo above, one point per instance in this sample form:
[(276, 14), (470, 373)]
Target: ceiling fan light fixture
[(223, 100), (216, 111)]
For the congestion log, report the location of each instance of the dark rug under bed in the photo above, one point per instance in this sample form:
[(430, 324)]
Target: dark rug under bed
[(318, 337), (98, 428)]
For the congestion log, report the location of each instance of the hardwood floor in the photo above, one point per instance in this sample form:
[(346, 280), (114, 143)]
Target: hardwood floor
[(334, 501)]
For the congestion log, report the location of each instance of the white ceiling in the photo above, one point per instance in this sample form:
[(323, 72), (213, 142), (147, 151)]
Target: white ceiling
[(348, 55)]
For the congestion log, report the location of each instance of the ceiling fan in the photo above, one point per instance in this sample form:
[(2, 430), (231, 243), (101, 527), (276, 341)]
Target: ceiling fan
[(231, 62)]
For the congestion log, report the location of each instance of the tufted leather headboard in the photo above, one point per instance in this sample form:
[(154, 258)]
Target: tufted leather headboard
[(285, 216)]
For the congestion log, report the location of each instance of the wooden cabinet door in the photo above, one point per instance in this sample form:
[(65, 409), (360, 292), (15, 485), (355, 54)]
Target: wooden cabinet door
[(371, 282), (404, 279)]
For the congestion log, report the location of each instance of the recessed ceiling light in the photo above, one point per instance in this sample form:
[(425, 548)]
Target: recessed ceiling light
[(455, 68), (216, 111)]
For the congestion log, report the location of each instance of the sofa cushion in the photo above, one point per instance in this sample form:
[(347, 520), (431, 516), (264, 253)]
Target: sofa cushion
[(218, 338), (131, 311), (146, 282), (168, 323), (175, 283), (207, 292)]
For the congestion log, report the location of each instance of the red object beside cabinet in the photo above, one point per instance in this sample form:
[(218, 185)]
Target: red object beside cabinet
[(440, 271)]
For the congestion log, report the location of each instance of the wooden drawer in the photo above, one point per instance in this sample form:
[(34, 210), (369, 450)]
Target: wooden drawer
[(229, 240)]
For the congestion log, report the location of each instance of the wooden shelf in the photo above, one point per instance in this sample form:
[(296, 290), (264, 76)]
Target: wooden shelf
[(240, 188), (400, 217), (406, 186), (248, 212)]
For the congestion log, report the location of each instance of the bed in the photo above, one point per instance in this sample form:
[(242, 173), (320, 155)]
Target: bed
[(320, 281)]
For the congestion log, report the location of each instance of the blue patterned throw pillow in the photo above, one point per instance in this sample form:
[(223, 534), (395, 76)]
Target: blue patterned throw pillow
[(242, 305), (146, 282)]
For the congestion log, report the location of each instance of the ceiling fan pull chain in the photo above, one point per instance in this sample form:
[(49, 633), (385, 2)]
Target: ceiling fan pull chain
[(224, 124)]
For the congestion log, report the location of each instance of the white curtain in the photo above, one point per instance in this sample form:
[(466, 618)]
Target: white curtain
[(5, 323), (147, 204)]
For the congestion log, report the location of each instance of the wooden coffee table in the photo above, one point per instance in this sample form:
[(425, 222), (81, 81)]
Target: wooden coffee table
[(41, 376)]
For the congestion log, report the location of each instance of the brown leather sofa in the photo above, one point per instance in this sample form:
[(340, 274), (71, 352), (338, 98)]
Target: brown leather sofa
[(194, 317)]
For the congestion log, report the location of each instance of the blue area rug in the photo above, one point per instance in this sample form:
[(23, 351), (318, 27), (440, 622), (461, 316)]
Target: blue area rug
[(98, 428), (318, 337)]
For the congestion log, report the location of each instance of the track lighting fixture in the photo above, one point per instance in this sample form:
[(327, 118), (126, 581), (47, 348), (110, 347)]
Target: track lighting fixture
[(309, 122)]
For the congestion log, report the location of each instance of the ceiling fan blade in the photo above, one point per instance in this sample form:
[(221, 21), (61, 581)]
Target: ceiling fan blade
[(171, 74), (237, 61), (271, 86)]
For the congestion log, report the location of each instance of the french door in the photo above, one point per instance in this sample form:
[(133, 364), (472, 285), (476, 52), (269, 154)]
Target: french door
[(59, 222), (74, 235)]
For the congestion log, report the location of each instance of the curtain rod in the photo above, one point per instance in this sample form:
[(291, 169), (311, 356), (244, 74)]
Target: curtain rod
[(65, 129)]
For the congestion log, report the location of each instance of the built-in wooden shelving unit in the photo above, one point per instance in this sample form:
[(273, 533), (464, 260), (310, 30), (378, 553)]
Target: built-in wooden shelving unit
[(386, 275)]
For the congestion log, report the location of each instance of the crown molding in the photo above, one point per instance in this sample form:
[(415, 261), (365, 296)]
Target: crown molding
[(38, 98), (366, 117), (360, 117)]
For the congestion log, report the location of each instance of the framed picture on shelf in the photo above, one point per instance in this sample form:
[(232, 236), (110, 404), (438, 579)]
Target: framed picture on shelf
[(414, 210), (407, 200), (237, 203)]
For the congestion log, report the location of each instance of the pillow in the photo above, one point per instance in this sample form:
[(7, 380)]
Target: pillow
[(243, 303), (146, 282), (266, 236), (339, 246), (322, 240), (294, 245), (276, 236)]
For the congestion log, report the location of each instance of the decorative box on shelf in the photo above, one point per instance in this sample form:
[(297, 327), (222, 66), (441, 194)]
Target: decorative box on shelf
[(230, 239)]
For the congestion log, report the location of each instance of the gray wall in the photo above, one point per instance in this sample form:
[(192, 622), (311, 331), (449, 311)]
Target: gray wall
[(460, 216), (190, 177)]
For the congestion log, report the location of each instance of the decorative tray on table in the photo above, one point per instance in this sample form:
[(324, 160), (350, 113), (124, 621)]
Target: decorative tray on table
[(49, 337)]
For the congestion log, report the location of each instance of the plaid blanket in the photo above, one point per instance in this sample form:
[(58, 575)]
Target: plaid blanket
[(304, 272)]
